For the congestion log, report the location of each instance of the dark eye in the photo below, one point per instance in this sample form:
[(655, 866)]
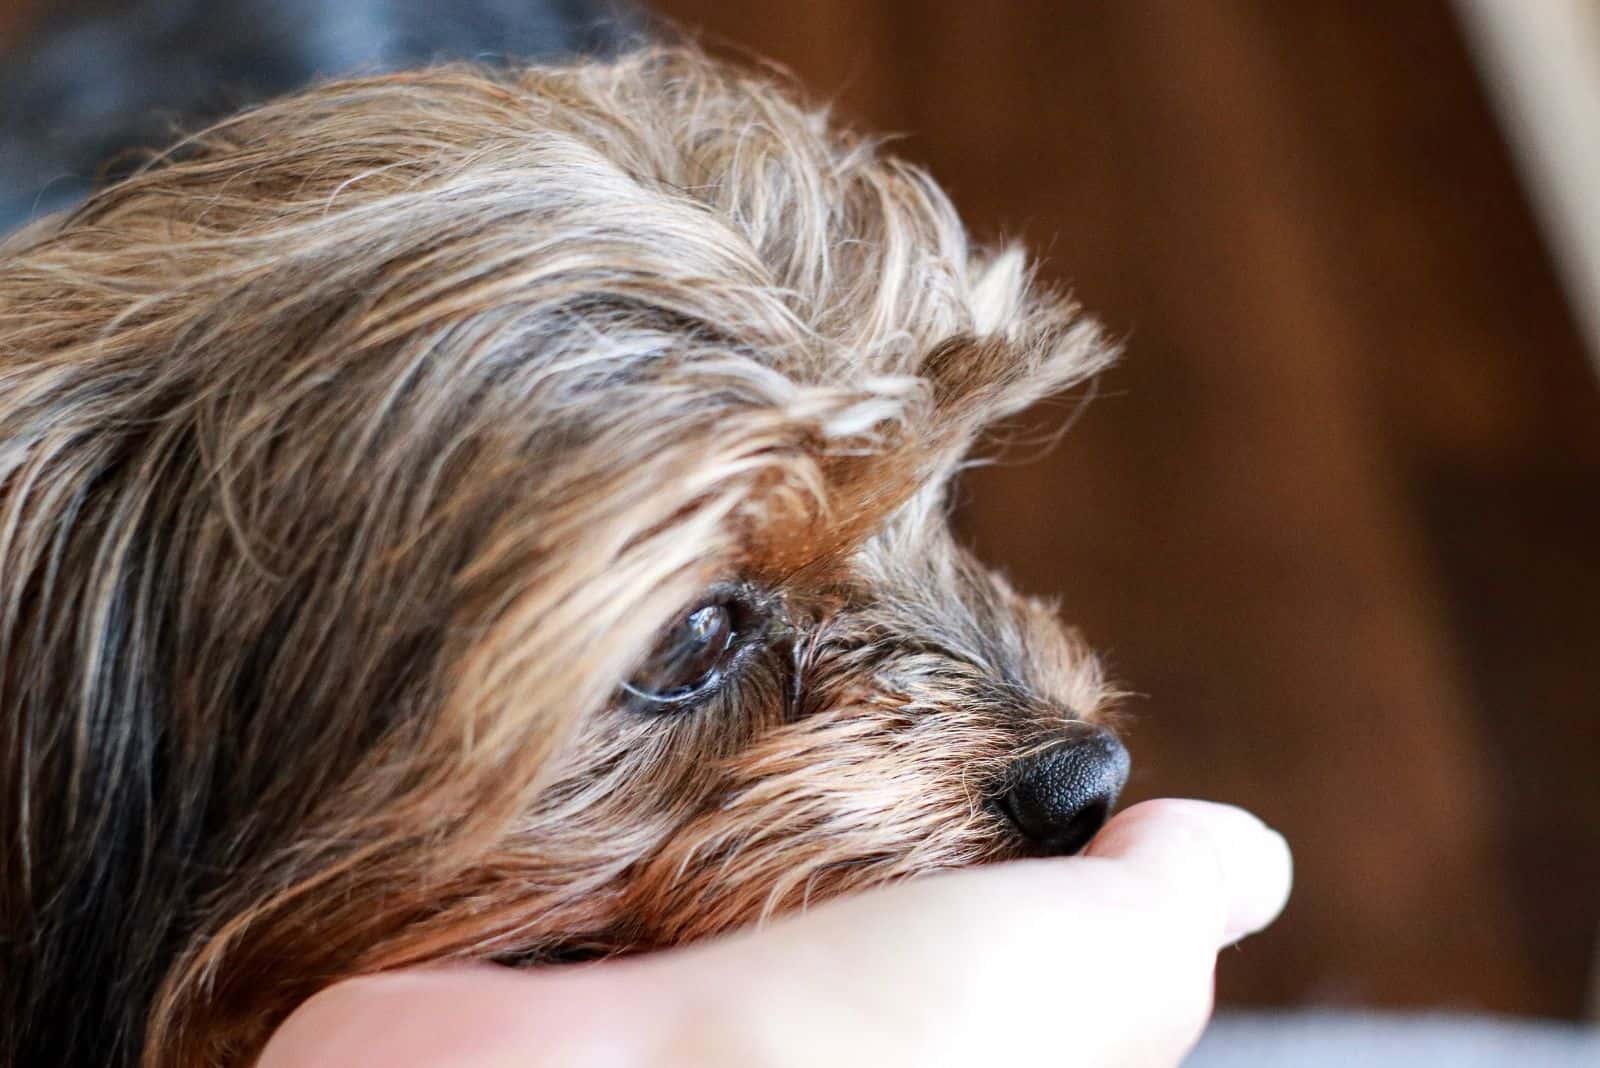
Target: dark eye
[(692, 659)]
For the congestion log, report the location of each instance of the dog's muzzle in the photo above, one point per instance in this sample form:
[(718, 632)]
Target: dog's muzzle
[(1060, 797)]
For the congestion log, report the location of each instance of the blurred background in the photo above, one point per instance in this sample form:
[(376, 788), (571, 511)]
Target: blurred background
[(1336, 515)]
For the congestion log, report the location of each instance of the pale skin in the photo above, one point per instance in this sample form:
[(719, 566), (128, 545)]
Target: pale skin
[(1100, 960)]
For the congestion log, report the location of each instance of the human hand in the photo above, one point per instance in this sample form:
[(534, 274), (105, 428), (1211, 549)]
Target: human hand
[(1104, 959)]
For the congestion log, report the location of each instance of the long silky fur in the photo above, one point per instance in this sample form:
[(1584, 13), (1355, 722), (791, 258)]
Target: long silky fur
[(353, 454)]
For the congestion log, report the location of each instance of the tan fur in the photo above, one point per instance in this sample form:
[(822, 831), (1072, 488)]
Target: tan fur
[(356, 453)]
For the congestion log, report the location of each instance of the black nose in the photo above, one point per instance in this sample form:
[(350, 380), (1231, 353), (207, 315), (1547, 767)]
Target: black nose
[(1060, 797)]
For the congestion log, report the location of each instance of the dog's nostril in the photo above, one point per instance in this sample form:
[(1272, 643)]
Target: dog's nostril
[(1060, 797)]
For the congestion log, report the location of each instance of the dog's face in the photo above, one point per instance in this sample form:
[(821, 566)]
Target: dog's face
[(893, 711), (451, 515)]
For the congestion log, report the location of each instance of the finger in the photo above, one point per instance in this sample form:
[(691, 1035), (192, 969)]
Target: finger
[(468, 1016), (1115, 951), (1189, 877), (1225, 859), (1103, 960)]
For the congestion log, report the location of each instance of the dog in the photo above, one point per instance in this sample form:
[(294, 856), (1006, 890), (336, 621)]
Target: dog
[(503, 515)]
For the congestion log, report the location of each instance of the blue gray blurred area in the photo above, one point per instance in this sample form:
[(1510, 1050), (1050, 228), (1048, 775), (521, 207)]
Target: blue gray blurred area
[(1386, 1040), (99, 83)]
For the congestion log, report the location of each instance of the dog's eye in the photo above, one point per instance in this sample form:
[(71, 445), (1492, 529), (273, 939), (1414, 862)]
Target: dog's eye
[(691, 661)]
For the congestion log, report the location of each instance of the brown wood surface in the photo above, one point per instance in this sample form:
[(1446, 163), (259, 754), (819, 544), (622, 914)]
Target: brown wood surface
[(1337, 514)]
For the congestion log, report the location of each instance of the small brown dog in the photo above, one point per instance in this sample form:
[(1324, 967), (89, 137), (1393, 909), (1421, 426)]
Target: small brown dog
[(457, 514)]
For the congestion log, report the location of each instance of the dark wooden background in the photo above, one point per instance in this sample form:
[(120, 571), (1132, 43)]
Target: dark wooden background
[(1337, 514)]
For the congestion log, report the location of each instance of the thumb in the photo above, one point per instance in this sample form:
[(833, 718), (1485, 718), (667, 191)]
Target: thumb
[(1226, 860), (1162, 887), (1104, 959)]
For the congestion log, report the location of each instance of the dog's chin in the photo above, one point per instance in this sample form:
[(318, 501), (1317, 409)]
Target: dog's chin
[(844, 879)]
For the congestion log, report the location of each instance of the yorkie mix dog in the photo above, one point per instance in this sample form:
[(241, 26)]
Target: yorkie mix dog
[(459, 514)]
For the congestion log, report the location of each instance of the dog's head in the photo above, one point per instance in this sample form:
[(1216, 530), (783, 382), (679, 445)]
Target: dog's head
[(454, 514)]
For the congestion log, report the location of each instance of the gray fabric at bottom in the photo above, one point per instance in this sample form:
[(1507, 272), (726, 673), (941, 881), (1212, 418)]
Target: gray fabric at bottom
[(1380, 1040)]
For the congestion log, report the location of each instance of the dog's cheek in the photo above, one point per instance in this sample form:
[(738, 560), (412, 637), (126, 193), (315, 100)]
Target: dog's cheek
[(849, 798), (561, 882)]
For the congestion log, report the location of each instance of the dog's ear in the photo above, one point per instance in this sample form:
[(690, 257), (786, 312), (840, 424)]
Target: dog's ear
[(1021, 343), (1026, 344), (1000, 286)]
